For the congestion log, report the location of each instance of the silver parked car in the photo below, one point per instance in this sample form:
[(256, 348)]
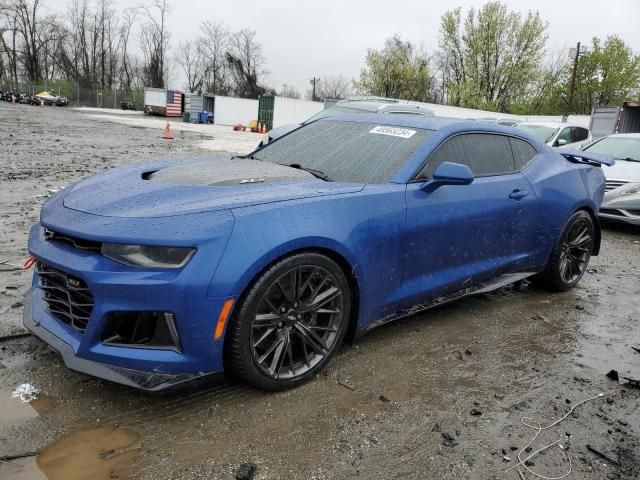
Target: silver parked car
[(558, 135), (354, 106), (622, 196)]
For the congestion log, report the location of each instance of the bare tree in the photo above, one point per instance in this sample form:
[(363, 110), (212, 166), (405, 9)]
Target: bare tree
[(337, 86), (154, 42), (289, 91), (26, 23), (214, 44), (126, 68), (246, 63), (189, 57)]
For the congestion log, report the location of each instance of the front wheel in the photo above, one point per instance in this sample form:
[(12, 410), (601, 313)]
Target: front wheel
[(290, 323), (571, 255)]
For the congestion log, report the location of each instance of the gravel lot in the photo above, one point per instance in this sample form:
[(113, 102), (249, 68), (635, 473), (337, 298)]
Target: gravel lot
[(438, 395)]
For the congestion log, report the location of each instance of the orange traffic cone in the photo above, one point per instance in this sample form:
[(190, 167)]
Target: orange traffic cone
[(167, 132), (41, 103), (13, 99)]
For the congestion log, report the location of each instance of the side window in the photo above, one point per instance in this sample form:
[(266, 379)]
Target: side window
[(523, 152), (484, 154), (579, 134)]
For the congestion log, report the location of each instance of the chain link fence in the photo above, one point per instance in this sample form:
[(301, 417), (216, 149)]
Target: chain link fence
[(80, 94)]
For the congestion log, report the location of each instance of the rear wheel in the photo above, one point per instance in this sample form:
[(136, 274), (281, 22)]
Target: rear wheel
[(571, 255), (290, 323)]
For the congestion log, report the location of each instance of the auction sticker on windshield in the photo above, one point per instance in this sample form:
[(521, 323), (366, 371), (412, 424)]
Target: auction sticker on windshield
[(393, 131)]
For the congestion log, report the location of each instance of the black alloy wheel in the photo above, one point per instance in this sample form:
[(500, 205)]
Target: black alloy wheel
[(576, 250), (291, 322), (571, 255)]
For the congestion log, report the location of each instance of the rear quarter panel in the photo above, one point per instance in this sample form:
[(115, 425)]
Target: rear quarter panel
[(562, 188)]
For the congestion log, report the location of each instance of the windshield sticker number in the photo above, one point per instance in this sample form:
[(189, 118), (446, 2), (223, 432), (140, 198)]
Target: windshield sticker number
[(393, 131)]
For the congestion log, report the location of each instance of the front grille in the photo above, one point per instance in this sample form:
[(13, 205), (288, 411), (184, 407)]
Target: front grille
[(67, 298), (74, 242), (613, 184)]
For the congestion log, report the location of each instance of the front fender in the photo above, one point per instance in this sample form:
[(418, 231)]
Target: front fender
[(366, 229)]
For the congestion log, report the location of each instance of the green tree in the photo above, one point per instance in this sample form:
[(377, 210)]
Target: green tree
[(399, 70), (608, 74), (490, 59)]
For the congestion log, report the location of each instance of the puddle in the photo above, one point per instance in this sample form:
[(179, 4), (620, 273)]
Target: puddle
[(14, 411), (98, 454)]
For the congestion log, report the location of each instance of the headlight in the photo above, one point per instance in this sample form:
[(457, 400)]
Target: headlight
[(147, 256)]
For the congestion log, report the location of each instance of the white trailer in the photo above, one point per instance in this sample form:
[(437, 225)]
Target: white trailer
[(232, 110), (160, 101)]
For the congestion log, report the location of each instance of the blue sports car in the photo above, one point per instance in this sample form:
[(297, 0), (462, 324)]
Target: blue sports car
[(262, 265)]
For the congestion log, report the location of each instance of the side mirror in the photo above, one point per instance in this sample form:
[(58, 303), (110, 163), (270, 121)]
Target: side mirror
[(449, 174), (561, 142)]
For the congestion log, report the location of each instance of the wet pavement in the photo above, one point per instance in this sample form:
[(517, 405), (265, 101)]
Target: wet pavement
[(437, 395)]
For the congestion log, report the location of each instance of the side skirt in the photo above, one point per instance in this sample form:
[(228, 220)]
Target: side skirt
[(484, 287)]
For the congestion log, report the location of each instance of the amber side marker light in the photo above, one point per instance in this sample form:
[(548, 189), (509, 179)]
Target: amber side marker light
[(222, 319)]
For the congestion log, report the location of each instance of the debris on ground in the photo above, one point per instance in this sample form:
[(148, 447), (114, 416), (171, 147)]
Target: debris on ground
[(246, 471), (17, 456), (613, 375), (448, 440), (25, 392), (383, 398), (609, 457)]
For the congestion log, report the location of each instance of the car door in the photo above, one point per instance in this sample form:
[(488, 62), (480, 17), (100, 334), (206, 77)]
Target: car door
[(459, 235)]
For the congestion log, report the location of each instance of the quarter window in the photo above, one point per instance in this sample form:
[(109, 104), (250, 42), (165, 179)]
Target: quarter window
[(523, 152), (484, 154)]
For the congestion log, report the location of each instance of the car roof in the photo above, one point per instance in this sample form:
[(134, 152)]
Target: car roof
[(552, 124), (399, 120), (377, 105)]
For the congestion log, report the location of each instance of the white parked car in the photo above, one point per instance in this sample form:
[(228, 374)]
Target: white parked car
[(622, 196), (558, 135)]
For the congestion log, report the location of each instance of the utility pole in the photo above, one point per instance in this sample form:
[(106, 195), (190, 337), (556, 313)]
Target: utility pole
[(573, 82), (313, 82)]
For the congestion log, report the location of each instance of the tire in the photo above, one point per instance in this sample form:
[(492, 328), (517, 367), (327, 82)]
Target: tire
[(571, 254), (282, 335)]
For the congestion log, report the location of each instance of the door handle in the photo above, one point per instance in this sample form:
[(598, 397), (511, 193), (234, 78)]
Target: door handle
[(518, 194)]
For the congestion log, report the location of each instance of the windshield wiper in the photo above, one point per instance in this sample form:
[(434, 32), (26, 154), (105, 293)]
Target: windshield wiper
[(316, 173), (629, 159)]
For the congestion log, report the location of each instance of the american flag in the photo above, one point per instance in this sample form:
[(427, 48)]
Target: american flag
[(174, 104)]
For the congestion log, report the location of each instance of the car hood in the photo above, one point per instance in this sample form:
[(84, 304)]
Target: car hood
[(193, 186), (623, 170)]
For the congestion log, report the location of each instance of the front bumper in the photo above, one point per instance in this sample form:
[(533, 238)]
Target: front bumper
[(143, 380), (620, 206), (120, 288)]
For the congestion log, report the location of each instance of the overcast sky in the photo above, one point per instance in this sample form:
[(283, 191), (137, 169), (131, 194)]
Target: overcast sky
[(303, 38)]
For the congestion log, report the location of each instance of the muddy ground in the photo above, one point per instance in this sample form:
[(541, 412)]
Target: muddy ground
[(438, 395)]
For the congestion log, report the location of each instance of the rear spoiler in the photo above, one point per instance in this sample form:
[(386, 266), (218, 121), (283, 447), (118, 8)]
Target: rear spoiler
[(580, 156)]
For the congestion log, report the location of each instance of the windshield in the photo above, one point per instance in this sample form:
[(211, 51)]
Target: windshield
[(539, 131), (334, 111), (347, 151), (620, 148)]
